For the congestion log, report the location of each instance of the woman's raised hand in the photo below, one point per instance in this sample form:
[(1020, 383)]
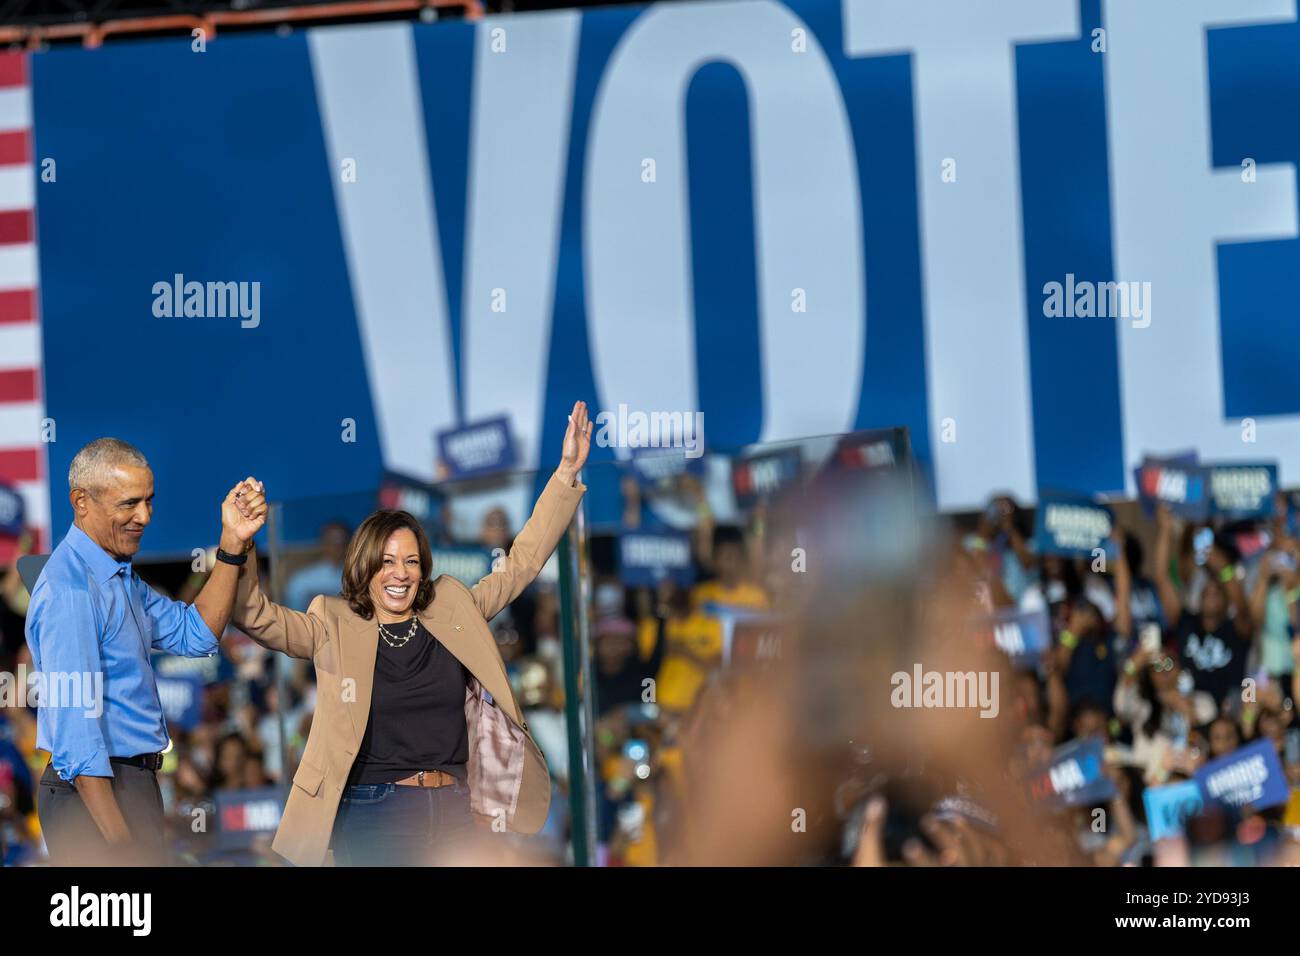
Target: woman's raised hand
[(577, 443)]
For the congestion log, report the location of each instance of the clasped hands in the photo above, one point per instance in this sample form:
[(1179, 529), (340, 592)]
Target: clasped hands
[(243, 512)]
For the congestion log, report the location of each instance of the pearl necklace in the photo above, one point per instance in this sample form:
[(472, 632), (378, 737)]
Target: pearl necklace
[(397, 640)]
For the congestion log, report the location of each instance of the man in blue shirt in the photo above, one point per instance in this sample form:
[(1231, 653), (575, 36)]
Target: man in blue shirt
[(91, 624)]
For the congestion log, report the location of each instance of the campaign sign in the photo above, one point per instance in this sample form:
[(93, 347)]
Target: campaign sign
[(645, 558), (881, 448), (759, 640), (466, 565), (1074, 777), (1241, 491), (182, 699), (1176, 482), (1249, 776), (1170, 806), (398, 492), (756, 478), (11, 512), (481, 449), (1071, 525), (657, 467), (1024, 636), (245, 815)]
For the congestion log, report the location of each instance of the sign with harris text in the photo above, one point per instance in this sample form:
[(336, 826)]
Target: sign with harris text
[(1249, 776), (484, 448), (1071, 525), (1241, 490)]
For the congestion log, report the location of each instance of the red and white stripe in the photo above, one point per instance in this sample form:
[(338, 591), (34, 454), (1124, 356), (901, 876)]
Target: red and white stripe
[(23, 462)]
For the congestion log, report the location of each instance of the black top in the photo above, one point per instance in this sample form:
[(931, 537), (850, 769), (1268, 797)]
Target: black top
[(1216, 659), (417, 710), (1094, 669)]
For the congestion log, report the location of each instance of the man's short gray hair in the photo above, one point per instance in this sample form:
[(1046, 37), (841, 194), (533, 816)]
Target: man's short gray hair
[(93, 466)]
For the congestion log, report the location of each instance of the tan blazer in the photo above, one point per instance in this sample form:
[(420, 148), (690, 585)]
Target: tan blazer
[(508, 780)]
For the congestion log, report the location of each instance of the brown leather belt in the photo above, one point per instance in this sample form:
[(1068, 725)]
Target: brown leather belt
[(428, 779)]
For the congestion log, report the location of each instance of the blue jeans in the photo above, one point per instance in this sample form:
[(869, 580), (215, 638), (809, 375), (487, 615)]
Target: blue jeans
[(382, 824)]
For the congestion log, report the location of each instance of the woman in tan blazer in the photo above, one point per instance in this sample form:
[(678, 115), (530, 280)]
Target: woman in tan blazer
[(417, 739)]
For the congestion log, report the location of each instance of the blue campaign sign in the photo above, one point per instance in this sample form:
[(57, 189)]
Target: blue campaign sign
[(1241, 490), (1074, 777), (245, 815), (1071, 525), (1249, 776), (466, 565), (11, 511), (758, 477), (1024, 636), (1170, 806), (182, 699), (645, 559), (656, 468), (1178, 482), (484, 448)]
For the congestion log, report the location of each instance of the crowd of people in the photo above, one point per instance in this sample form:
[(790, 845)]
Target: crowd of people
[(1178, 650), (1170, 662)]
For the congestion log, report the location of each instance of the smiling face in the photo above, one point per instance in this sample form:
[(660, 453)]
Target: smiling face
[(115, 514), (394, 585)]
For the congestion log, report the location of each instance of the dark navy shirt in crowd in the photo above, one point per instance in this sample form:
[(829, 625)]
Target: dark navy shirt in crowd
[(417, 711), (1094, 669)]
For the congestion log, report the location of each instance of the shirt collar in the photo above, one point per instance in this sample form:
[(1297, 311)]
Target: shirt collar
[(101, 564)]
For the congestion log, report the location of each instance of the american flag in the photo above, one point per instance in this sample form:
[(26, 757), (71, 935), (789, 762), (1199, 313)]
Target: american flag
[(22, 448)]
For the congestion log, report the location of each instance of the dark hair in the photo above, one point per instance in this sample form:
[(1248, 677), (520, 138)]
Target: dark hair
[(366, 556), (217, 776), (1147, 690), (729, 535)]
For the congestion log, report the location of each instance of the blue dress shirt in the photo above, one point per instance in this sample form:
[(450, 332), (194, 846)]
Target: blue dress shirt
[(90, 614)]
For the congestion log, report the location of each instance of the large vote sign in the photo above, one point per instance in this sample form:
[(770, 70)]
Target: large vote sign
[(1045, 236)]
